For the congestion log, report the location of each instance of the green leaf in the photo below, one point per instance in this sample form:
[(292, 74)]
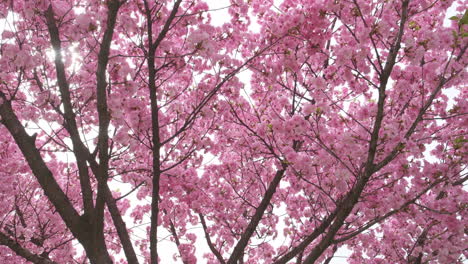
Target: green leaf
[(459, 142), (270, 127), (454, 18), (414, 25), (460, 139), (464, 20), (400, 146)]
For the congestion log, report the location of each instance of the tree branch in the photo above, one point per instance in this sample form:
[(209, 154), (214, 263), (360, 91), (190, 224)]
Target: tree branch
[(346, 205), (40, 170), (354, 194), (238, 251), (156, 144), (69, 115), (208, 241), (23, 252)]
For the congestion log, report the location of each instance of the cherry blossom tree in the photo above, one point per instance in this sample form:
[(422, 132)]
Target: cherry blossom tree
[(336, 124)]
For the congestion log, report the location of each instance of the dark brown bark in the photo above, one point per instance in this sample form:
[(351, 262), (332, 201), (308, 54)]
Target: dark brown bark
[(23, 252), (353, 196), (346, 205), (95, 221), (40, 170), (238, 251), (104, 120), (82, 154), (104, 195), (177, 241), (69, 115), (442, 81), (156, 144), (121, 227), (79, 227), (299, 249), (208, 241)]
